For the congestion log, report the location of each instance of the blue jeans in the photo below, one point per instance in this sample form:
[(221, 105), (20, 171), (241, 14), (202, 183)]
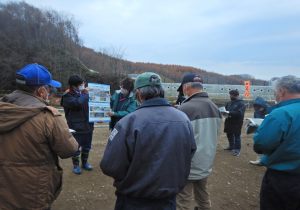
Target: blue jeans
[(234, 140), (128, 203)]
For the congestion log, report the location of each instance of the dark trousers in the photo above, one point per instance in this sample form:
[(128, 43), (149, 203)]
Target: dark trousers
[(85, 143), (234, 140), (280, 191), (127, 203)]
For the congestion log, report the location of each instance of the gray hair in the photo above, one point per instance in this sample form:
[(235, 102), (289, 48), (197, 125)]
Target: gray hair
[(196, 85), (290, 83), (149, 92)]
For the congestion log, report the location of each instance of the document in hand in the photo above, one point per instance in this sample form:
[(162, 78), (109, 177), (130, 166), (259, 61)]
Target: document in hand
[(252, 124), (223, 111)]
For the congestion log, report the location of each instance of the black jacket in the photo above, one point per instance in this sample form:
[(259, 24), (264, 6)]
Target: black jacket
[(76, 111), (234, 121)]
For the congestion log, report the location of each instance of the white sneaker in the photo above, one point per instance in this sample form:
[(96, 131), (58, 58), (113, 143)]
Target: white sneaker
[(255, 162)]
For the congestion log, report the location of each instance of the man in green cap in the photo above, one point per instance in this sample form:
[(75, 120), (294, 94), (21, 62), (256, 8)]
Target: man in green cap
[(149, 151)]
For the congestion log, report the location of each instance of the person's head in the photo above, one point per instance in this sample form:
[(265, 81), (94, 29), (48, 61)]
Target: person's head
[(234, 94), (148, 86), (76, 82), (127, 86), (37, 80), (260, 104), (191, 83), (287, 87)]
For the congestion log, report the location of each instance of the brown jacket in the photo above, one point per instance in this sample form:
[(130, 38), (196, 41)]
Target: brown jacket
[(32, 136)]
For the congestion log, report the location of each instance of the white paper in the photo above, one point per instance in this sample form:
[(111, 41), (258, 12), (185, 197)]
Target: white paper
[(71, 130), (223, 110), (252, 124), (254, 121)]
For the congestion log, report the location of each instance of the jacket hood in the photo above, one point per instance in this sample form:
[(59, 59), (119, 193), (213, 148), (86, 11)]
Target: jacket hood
[(13, 116), (261, 102)]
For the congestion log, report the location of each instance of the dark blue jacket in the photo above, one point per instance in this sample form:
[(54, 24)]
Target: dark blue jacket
[(149, 151), (76, 111), (234, 121), (261, 103)]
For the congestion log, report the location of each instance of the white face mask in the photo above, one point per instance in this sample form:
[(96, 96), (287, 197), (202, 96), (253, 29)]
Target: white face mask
[(124, 91), (81, 88)]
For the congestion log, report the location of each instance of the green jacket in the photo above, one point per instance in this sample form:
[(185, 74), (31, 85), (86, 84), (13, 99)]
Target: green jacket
[(128, 106)]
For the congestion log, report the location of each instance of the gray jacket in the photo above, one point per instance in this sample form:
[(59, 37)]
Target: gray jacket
[(206, 121)]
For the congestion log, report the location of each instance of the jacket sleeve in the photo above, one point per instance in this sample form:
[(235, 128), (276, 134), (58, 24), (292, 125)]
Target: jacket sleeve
[(60, 139), (268, 135), (238, 112), (192, 138), (72, 102), (115, 161), (131, 108)]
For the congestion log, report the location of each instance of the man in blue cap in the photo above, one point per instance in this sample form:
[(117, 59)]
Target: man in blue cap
[(32, 137), (149, 151)]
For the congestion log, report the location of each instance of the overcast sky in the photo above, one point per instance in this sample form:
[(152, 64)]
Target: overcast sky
[(257, 37)]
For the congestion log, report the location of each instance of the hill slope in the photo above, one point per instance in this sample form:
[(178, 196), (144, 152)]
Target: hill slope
[(31, 35)]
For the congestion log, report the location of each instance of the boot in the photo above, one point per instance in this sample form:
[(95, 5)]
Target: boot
[(76, 168), (84, 161)]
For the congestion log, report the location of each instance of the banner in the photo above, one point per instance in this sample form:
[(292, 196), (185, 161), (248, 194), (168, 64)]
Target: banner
[(99, 102), (247, 93)]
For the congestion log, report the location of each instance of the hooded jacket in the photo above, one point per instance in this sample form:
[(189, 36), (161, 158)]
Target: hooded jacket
[(32, 136), (206, 120), (260, 113)]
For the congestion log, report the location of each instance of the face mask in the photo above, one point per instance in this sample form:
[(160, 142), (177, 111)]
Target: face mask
[(124, 91), (81, 88), (233, 98)]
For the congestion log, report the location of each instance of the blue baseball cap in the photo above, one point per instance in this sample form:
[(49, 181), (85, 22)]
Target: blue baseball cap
[(36, 75)]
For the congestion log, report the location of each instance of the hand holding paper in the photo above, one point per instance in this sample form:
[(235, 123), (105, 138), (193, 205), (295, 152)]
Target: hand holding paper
[(252, 124)]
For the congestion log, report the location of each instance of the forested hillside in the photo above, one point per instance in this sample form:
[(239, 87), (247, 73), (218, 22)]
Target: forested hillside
[(29, 35)]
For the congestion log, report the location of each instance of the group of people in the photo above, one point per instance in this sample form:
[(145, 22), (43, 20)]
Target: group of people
[(159, 156)]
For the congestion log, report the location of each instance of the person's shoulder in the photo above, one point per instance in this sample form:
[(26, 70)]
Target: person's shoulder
[(53, 111)]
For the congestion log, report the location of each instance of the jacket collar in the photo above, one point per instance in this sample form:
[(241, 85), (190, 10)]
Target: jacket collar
[(131, 95), (154, 102), (196, 95), (285, 103)]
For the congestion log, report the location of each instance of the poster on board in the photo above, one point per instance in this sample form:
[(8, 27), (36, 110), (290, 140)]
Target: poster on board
[(99, 102)]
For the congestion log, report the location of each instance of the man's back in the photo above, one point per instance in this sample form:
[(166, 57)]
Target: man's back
[(206, 120), (158, 140), (30, 140)]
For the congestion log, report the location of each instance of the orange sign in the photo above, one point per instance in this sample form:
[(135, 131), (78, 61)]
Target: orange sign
[(247, 89)]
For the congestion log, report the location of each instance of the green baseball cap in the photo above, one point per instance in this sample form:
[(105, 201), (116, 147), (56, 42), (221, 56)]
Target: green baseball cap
[(147, 79)]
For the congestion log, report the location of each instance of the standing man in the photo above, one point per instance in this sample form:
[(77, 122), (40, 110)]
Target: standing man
[(149, 151), (75, 103), (32, 136), (206, 121), (234, 122), (278, 138)]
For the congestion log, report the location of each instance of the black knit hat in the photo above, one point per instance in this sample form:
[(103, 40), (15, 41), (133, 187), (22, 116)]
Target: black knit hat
[(75, 80), (234, 92)]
